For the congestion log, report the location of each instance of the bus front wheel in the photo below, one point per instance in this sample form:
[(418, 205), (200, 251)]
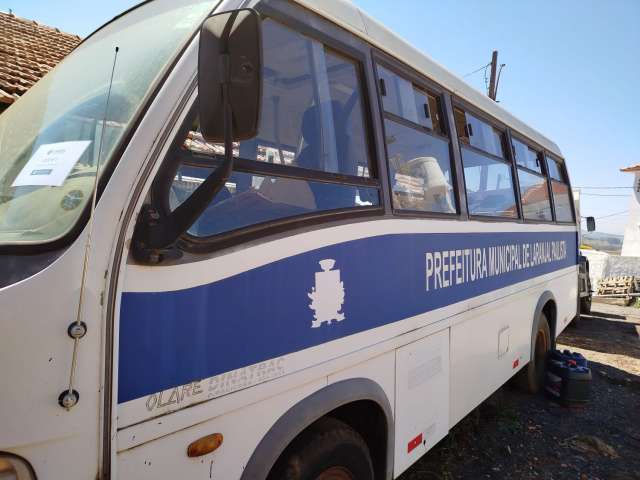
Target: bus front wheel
[(531, 377), (328, 450)]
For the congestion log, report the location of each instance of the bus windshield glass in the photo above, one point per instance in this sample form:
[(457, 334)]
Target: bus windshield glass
[(50, 139)]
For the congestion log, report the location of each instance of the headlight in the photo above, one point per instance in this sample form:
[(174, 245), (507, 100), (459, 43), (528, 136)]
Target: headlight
[(13, 467)]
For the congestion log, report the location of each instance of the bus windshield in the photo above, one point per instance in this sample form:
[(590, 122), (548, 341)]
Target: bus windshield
[(50, 138)]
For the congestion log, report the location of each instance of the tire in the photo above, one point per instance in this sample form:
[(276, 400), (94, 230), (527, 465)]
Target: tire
[(531, 377), (328, 450), (585, 305)]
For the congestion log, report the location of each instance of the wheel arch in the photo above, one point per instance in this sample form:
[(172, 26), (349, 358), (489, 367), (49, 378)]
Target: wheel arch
[(331, 400), (547, 305)]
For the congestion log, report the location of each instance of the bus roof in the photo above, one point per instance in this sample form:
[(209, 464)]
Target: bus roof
[(350, 17)]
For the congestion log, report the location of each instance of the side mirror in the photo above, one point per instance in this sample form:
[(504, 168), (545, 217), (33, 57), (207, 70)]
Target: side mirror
[(591, 224), (230, 96), (230, 74)]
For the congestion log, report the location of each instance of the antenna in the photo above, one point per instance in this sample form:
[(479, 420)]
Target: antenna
[(78, 329)]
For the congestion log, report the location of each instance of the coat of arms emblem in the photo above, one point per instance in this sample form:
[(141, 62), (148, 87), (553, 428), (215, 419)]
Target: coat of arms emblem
[(327, 296)]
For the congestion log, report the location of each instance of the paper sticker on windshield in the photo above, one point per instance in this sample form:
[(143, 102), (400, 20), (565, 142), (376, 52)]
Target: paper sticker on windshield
[(51, 164)]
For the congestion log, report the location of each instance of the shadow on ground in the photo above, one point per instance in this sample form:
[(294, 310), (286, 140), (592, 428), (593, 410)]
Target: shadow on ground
[(604, 334)]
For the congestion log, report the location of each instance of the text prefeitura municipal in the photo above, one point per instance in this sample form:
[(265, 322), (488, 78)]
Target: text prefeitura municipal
[(445, 268)]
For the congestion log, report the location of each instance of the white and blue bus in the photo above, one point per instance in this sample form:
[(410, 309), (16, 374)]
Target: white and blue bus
[(266, 240)]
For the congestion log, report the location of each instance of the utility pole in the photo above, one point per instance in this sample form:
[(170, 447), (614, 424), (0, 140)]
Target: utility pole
[(492, 81)]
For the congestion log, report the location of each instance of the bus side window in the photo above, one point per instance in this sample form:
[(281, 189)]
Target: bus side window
[(479, 134), (487, 173), (526, 156), (310, 155), (418, 150), (560, 190), (534, 192)]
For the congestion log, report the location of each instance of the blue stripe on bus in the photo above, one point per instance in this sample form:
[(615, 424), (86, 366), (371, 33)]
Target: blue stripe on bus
[(172, 338)]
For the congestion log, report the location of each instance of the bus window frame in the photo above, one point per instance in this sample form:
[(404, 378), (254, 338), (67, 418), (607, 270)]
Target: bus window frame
[(508, 159), (567, 182), (344, 44), (516, 136), (443, 96), (540, 151), (545, 152)]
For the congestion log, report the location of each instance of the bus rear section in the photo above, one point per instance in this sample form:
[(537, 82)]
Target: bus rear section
[(320, 291)]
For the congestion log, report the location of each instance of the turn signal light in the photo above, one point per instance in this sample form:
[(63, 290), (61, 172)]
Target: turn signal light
[(204, 445)]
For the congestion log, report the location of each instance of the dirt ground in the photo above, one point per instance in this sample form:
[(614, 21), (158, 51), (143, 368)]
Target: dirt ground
[(518, 436)]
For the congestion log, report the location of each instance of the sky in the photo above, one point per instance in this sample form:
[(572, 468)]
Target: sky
[(572, 70)]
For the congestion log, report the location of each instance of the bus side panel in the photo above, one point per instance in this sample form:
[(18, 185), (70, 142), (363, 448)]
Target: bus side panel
[(566, 294), (242, 430), (487, 348), (380, 369), (422, 398)]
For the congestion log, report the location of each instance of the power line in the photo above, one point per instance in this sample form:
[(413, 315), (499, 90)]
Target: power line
[(612, 214), (602, 195), (486, 80), (602, 188), (484, 67), (502, 65)]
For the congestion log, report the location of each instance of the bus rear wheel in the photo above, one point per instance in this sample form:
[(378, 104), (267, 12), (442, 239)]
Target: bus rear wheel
[(531, 377), (328, 450)]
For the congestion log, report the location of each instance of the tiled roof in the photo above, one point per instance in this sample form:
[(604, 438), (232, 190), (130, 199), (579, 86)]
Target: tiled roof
[(632, 168), (28, 51)]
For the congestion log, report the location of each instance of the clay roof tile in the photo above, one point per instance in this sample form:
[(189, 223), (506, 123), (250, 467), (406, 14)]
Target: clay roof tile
[(27, 52), (632, 168)]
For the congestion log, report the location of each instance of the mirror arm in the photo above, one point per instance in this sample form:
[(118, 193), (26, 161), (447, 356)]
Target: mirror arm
[(154, 233), (230, 86)]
